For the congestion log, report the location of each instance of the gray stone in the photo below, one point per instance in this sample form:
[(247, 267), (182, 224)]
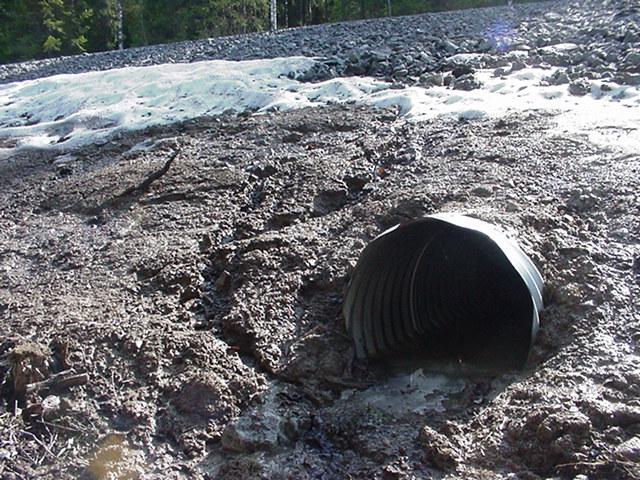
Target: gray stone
[(482, 191), (558, 77), (581, 202), (593, 60), (401, 73), (579, 88), (631, 61), (500, 72), (628, 78), (462, 70), (631, 37), (629, 451), (431, 79), (518, 64), (466, 82), (448, 46)]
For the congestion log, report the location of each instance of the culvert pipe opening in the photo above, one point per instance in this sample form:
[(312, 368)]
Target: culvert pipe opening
[(449, 284)]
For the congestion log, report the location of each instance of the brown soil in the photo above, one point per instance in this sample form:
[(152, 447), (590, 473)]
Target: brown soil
[(179, 309)]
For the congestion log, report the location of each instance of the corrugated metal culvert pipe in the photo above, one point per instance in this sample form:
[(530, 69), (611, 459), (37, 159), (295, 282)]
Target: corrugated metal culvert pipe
[(445, 283)]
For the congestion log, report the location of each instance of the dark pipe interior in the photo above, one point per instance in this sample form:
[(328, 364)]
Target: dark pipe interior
[(473, 304), (443, 289)]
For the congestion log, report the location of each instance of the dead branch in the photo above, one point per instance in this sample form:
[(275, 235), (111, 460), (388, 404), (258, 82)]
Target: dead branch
[(62, 381), (136, 191)]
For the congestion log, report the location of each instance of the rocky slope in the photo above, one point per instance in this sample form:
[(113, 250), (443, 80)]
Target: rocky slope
[(605, 37)]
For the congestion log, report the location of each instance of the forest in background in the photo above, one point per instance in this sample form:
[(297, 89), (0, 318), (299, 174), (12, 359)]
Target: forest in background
[(32, 29)]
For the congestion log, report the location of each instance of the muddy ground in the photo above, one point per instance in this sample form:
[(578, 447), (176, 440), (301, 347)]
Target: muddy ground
[(180, 305)]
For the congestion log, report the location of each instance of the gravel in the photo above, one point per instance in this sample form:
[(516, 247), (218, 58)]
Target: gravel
[(403, 49)]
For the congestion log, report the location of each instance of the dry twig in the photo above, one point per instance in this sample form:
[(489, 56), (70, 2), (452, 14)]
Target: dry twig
[(62, 380)]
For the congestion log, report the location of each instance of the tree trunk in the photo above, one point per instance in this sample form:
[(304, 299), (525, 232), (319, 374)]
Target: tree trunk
[(286, 13), (120, 32), (273, 13), (143, 25), (244, 15), (388, 8)]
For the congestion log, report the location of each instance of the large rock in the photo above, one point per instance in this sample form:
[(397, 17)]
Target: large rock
[(579, 88)]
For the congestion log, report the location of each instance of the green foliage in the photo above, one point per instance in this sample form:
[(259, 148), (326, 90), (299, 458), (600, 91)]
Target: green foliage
[(160, 21), (52, 45), (22, 33), (103, 26), (66, 24), (39, 28)]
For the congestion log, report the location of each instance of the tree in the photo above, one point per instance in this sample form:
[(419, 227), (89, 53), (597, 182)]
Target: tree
[(66, 25), (21, 30), (120, 30), (273, 14)]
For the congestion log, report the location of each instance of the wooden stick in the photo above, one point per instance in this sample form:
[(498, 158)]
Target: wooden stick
[(61, 380)]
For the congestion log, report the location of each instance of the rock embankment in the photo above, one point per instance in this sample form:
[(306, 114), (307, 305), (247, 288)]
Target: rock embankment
[(593, 39)]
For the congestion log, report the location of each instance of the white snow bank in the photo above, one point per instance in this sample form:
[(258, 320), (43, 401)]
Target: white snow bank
[(68, 111)]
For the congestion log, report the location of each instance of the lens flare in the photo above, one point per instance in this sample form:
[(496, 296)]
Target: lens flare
[(501, 36)]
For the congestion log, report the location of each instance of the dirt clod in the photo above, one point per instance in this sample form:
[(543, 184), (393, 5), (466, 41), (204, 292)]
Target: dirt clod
[(28, 363), (439, 451)]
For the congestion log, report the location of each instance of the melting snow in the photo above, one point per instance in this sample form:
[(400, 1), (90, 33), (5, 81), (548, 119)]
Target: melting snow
[(609, 118), (67, 111)]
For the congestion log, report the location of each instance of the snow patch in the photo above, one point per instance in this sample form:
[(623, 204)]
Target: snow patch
[(608, 117), (64, 112), (68, 111), (559, 47)]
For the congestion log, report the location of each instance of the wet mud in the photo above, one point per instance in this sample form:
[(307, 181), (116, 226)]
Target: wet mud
[(196, 286)]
